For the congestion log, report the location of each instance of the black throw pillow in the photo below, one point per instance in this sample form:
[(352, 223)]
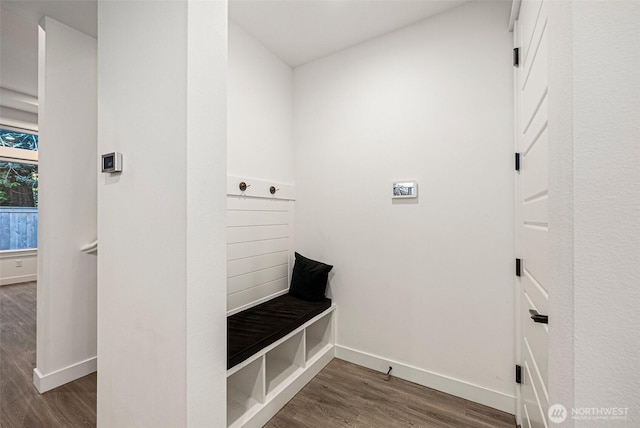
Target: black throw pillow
[(309, 279)]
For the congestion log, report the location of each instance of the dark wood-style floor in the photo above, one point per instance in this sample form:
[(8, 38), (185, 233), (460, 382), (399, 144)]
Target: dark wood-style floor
[(21, 406), (342, 395), (347, 395)]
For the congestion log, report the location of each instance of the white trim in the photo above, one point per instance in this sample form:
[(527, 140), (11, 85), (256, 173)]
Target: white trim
[(515, 12), (18, 279), (457, 387), (18, 125), (18, 101), (19, 155), (260, 188), (47, 382), (257, 302), (10, 254)]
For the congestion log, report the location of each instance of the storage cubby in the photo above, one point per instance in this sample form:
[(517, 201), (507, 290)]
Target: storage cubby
[(319, 336), (257, 390), (245, 391), (283, 361)]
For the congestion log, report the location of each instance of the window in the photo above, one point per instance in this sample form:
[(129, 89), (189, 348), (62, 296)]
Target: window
[(18, 190)]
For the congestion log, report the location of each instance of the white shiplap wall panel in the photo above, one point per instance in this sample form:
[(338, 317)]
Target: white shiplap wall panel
[(256, 248), (259, 248), (257, 218), (253, 279), (255, 295), (248, 265), (243, 203), (256, 233)]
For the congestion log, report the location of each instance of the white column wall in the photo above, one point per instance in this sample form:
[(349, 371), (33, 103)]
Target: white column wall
[(594, 129), (161, 272), (206, 213), (66, 325)]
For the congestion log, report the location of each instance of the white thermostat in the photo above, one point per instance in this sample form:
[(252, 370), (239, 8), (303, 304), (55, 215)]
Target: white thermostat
[(405, 189), (112, 162)]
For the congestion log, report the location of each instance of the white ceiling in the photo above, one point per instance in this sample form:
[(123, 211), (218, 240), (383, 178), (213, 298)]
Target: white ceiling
[(19, 54), (79, 14), (297, 31), (300, 31)]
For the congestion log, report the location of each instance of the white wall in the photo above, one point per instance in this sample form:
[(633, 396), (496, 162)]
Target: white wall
[(260, 152), (66, 327), (161, 222), (19, 51), (260, 111), (18, 71), (424, 284), (11, 273), (594, 120)]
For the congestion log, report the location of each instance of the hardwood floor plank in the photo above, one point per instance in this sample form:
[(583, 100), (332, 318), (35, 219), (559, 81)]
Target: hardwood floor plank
[(21, 406), (347, 395), (342, 395)]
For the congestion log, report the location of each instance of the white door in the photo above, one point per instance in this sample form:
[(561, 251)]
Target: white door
[(532, 143)]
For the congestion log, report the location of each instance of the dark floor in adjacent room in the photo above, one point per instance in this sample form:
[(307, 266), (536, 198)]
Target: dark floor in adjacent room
[(69, 406), (342, 395)]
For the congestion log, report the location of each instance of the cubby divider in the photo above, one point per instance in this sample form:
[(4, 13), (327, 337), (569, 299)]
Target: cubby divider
[(319, 336), (245, 391), (258, 389), (284, 361)]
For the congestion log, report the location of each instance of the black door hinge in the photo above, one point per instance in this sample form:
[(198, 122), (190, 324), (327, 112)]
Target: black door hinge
[(518, 267), (516, 57), (518, 374), (517, 161)]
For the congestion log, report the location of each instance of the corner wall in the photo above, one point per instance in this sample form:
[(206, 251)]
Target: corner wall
[(66, 325), (423, 285), (260, 111), (594, 105), (162, 102)]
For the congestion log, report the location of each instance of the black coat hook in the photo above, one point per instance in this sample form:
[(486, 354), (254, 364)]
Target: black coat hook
[(273, 190)]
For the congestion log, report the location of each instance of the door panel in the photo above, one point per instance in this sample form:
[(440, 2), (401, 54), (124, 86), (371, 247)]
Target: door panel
[(538, 124), (535, 211), (536, 294), (534, 84), (529, 11), (535, 344), (535, 246), (532, 207), (530, 399), (534, 175)]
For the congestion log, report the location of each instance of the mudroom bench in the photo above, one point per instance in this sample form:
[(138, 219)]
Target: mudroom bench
[(273, 350)]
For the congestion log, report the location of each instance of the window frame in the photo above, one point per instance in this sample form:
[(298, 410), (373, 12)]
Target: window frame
[(30, 157), (11, 154)]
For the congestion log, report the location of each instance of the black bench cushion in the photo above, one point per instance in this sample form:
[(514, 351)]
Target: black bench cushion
[(255, 328)]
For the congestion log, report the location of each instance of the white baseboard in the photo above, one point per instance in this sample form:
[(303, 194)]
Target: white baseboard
[(18, 279), (49, 381), (459, 388)]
